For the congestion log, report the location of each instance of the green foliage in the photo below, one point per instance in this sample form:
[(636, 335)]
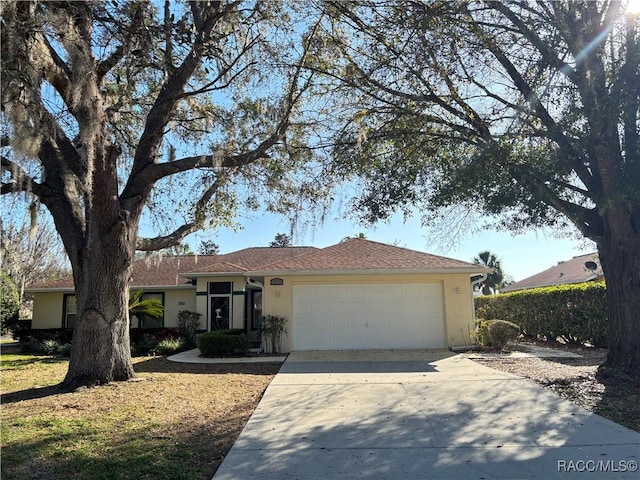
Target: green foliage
[(145, 307), (9, 303), (574, 313), (170, 346), (208, 247), (496, 279), (281, 240), (188, 323), (482, 333), (224, 343), (271, 330), (501, 332), (53, 347)]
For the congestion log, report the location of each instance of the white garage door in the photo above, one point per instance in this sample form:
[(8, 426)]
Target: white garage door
[(368, 316)]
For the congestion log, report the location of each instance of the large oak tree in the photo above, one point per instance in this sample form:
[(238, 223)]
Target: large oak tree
[(523, 111), (113, 111)]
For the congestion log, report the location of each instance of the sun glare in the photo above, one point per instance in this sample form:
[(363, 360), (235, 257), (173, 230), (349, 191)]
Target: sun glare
[(633, 6)]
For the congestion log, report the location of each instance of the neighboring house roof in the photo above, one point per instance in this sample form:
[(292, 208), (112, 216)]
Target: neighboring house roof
[(575, 270), (354, 255)]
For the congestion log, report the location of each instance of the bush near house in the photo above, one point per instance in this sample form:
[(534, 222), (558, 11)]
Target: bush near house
[(224, 343), (575, 313), (502, 332), (60, 335), (9, 303)]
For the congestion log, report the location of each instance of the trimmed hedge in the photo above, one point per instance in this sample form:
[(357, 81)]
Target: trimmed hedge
[(224, 343), (576, 313)]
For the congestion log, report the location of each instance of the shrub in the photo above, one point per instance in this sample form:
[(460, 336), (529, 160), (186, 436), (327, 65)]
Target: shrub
[(501, 332), (224, 343), (574, 313), (482, 333), (9, 303), (169, 346), (188, 323), (271, 330), (60, 335), (53, 347)]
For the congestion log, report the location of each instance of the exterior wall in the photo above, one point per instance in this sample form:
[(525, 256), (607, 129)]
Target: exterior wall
[(458, 299), (238, 289), (47, 307), (47, 310), (176, 300)]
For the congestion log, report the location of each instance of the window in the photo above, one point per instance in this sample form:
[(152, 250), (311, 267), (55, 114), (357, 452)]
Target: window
[(145, 321), (220, 288), (69, 311)]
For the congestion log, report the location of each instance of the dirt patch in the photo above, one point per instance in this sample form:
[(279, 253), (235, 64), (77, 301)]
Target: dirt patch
[(575, 379)]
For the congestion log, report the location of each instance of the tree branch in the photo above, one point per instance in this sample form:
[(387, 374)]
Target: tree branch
[(127, 43), (22, 181), (175, 237)]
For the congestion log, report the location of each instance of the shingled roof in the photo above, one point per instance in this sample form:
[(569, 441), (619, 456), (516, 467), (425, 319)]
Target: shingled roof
[(154, 271), (571, 271), (366, 255), (349, 256), (249, 259)]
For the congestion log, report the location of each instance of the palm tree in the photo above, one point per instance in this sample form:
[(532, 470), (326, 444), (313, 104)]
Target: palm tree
[(142, 308), (494, 280)]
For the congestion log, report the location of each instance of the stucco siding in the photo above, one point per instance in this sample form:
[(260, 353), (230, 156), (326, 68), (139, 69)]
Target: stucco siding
[(176, 300), (47, 310), (458, 307)]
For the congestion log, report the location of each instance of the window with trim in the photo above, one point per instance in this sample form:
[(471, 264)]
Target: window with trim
[(144, 321), (69, 311)]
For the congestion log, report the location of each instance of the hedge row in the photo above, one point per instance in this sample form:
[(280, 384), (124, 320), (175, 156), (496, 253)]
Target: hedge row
[(576, 313), (224, 343)]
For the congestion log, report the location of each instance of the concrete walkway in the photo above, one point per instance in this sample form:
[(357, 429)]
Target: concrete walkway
[(409, 415)]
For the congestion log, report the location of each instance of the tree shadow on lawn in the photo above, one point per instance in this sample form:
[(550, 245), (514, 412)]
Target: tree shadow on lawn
[(162, 365), (34, 393)]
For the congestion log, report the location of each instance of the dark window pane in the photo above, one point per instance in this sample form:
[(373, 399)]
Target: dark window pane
[(219, 287)]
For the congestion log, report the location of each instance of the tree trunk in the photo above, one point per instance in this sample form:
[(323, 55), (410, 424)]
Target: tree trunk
[(619, 254), (100, 351)]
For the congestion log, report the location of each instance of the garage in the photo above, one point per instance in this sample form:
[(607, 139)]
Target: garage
[(368, 316)]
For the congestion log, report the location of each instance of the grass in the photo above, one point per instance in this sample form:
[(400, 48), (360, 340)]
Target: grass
[(175, 421)]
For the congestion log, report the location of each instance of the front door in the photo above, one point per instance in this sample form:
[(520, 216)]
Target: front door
[(220, 313)]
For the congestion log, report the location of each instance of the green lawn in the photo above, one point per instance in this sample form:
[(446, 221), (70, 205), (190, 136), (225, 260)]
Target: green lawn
[(177, 422)]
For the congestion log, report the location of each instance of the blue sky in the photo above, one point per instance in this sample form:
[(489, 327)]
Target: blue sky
[(522, 256)]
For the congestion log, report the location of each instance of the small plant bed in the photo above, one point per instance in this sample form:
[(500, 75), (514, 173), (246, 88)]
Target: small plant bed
[(178, 421), (575, 379)]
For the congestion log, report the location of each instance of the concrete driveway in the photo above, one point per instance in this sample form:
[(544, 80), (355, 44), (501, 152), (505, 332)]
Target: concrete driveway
[(405, 415)]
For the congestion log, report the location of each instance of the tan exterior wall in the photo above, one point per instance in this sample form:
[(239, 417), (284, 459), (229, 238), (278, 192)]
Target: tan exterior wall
[(47, 310), (47, 307), (458, 299), (237, 300), (176, 300)]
